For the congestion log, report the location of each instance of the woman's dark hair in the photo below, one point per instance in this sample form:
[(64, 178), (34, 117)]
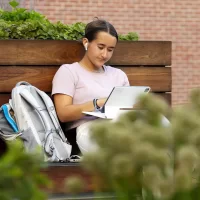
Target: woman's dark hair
[(97, 26)]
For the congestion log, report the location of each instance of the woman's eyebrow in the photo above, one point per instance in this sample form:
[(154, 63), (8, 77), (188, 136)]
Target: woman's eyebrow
[(105, 45)]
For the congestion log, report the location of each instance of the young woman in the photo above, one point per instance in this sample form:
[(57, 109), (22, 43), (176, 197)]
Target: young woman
[(85, 85)]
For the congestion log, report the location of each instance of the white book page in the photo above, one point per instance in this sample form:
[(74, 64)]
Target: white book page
[(96, 114), (111, 111)]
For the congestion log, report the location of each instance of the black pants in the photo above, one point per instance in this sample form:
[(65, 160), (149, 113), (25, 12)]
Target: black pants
[(71, 137)]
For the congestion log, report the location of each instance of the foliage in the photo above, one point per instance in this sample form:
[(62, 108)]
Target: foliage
[(74, 184), (23, 24), (139, 158), (20, 175), (131, 36)]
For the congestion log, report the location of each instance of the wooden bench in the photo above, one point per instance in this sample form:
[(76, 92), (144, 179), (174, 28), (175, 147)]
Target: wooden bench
[(36, 61)]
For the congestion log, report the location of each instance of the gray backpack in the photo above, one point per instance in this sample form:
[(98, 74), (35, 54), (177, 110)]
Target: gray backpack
[(8, 126), (37, 122)]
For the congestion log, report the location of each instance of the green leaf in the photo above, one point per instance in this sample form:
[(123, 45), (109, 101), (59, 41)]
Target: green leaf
[(23, 24), (13, 4)]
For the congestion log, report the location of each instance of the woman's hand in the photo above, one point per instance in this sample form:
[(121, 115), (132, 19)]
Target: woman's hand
[(67, 112), (101, 102)]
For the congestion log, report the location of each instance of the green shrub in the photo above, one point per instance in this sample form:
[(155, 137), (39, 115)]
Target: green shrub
[(21, 178), (139, 158), (23, 24)]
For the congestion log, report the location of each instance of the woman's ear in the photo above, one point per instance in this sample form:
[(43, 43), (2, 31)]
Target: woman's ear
[(85, 43), (86, 46)]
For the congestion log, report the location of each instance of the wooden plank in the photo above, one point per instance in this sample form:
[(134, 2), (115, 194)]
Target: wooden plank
[(39, 52), (158, 78), (40, 76), (142, 53), (56, 52), (167, 97), (4, 97)]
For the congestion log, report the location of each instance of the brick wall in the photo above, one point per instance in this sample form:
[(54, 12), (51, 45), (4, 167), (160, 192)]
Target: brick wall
[(174, 20)]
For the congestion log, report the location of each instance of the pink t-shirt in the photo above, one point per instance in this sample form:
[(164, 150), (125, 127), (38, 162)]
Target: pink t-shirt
[(84, 86)]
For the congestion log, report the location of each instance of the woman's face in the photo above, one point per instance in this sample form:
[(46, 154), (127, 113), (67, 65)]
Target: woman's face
[(101, 49)]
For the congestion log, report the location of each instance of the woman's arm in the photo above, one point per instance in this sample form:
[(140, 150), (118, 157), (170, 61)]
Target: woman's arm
[(67, 112)]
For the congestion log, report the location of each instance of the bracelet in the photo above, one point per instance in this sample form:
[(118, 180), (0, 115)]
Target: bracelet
[(95, 104)]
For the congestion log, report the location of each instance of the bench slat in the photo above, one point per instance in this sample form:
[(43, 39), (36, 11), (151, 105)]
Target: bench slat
[(5, 97), (55, 52), (39, 52), (142, 53), (158, 78)]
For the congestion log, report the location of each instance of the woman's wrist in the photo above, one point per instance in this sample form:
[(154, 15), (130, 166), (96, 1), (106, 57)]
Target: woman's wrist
[(96, 106), (98, 103)]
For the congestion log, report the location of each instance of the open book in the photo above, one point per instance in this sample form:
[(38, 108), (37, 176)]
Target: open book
[(120, 100)]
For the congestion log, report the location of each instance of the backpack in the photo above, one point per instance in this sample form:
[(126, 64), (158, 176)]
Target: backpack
[(37, 122), (8, 126)]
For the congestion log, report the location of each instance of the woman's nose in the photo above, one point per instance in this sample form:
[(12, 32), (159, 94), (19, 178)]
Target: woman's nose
[(104, 53)]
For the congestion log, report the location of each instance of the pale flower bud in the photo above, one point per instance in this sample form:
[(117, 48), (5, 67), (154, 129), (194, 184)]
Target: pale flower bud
[(183, 179), (187, 156), (158, 137), (143, 153), (74, 185), (195, 98), (95, 161), (154, 104), (167, 187), (122, 166), (151, 177)]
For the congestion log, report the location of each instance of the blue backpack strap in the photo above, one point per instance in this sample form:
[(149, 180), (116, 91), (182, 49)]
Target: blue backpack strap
[(10, 120)]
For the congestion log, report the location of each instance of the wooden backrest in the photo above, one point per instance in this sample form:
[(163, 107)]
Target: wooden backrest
[(36, 61)]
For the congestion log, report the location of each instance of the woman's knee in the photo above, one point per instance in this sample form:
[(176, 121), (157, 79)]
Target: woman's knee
[(83, 139)]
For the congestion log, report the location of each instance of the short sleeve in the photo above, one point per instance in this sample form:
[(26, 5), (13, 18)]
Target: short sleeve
[(125, 79), (63, 82)]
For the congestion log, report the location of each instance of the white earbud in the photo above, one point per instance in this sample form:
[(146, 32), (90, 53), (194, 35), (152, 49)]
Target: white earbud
[(86, 46)]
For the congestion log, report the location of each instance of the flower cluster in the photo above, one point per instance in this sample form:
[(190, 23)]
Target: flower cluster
[(138, 156)]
